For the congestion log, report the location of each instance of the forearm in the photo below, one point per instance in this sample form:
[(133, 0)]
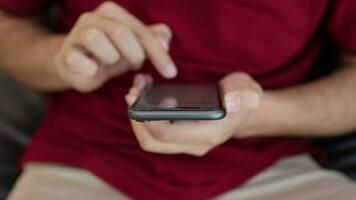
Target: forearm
[(325, 107), (27, 51)]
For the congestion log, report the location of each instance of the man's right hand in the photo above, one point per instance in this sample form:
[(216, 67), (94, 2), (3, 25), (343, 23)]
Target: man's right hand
[(108, 42)]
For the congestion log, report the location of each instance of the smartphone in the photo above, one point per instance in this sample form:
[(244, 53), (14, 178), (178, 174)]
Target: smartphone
[(178, 102)]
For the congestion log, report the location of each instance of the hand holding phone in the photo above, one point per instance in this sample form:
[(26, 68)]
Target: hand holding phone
[(242, 97)]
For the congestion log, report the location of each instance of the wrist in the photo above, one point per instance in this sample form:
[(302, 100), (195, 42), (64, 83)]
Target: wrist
[(47, 50), (271, 118)]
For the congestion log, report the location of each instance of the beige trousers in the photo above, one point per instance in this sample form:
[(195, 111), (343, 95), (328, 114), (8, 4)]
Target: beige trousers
[(293, 178)]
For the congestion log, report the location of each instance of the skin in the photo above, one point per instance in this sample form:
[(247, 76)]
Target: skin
[(110, 41), (103, 43), (242, 96)]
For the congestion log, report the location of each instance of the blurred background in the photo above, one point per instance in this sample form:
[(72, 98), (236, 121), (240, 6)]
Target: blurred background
[(20, 113)]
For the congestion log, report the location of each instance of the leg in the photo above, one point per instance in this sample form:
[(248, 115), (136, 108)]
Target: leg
[(55, 182), (295, 178)]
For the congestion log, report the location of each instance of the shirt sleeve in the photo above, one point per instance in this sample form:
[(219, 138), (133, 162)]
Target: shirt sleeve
[(342, 25), (23, 7)]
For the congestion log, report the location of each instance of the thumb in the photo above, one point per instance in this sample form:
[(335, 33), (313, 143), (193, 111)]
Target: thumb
[(163, 33), (130, 99), (241, 92), (242, 100)]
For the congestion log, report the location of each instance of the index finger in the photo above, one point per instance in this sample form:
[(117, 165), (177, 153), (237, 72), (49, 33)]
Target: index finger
[(154, 50)]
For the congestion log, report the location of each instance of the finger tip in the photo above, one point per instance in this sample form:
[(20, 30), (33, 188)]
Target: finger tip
[(170, 71), (130, 99), (127, 100), (170, 75)]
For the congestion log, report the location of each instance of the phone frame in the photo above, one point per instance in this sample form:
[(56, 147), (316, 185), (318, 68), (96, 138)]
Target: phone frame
[(178, 113)]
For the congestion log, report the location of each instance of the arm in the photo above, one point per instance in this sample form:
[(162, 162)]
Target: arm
[(325, 107), (27, 51)]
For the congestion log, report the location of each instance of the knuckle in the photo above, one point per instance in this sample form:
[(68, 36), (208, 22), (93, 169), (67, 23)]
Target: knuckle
[(107, 6), (242, 75), (85, 16), (118, 30), (89, 35), (165, 28)]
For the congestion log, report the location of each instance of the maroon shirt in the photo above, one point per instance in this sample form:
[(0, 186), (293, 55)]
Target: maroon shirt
[(276, 42)]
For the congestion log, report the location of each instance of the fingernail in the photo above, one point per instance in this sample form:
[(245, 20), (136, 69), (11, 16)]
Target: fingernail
[(170, 70), (251, 99), (232, 100)]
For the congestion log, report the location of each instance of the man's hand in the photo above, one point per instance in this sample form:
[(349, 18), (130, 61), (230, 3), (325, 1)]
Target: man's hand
[(242, 96), (108, 42)]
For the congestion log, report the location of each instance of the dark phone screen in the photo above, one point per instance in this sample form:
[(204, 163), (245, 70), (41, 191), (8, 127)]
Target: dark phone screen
[(179, 96)]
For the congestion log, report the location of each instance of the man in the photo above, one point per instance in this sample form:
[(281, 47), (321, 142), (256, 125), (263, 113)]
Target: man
[(86, 147)]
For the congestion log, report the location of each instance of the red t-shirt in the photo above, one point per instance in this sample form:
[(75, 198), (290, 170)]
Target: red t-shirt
[(276, 42)]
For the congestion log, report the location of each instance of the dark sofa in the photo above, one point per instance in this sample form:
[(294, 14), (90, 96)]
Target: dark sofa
[(20, 112)]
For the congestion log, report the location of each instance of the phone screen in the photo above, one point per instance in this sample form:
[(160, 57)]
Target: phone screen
[(179, 96)]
